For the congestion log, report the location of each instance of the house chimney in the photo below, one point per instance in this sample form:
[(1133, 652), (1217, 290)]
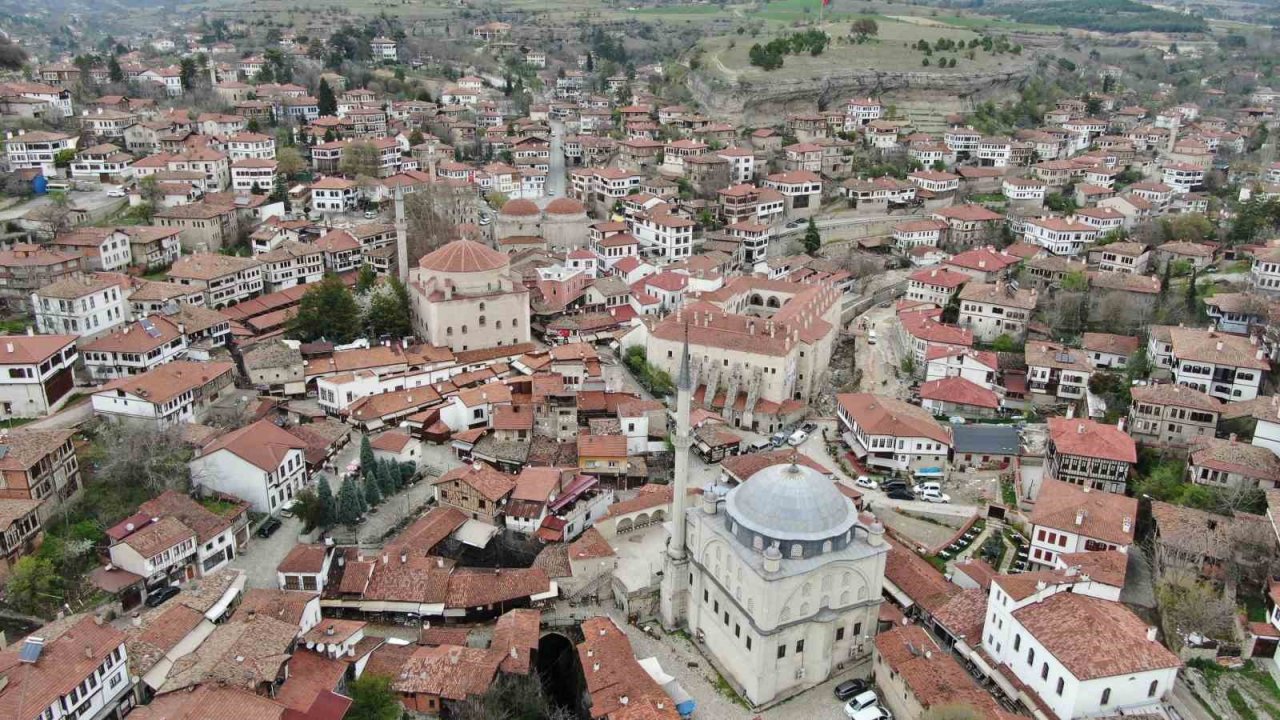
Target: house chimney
[(384, 558), (624, 700), (595, 666), (1127, 524), (404, 557), (1079, 428), (1232, 437), (1219, 346), (1151, 633), (329, 630), (1080, 516), (136, 620)]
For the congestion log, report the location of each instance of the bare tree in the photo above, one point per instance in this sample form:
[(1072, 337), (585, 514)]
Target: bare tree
[(1189, 605), (431, 215), (136, 454)]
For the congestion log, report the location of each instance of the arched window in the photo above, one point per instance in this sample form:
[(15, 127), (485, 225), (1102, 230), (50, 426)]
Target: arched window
[(1106, 696), (797, 550), (464, 329), (1031, 656), (482, 321), (1061, 684), (481, 307), (1017, 643), (448, 330), (498, 324), (757, 542), (515, 322), (826, 546), (1151, 691)]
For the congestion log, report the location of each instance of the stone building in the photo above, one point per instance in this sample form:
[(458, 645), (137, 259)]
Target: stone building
[(464, 298)]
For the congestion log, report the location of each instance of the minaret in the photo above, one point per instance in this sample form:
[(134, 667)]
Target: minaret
[(675, 576), (402, 238)]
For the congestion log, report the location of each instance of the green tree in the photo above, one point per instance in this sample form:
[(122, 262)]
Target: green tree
[(187, 73), (388, 478), (114, 72), (326, 101), (373, 699), (372, 493), (289, 162), (367, 458), (307, 507), (1004, 343), (327, 310), (812, 238), (328, 503), (35, 585), (359, 159), (366, 278), (1075, 281), (1191, 299), (64, 158), (349, 502), (389, 310)]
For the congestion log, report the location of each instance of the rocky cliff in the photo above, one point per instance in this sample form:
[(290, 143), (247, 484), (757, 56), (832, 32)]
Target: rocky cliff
[(764, 102)]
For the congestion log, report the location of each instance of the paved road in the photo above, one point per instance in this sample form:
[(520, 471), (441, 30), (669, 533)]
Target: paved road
[(555, 176), (70, 417)]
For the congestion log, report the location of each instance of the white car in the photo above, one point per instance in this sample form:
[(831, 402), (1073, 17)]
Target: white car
[(859, 706), (935, 496), (797, 438), (116, 192), (369, 214), (865, 482), (927, 485), (875, 712)]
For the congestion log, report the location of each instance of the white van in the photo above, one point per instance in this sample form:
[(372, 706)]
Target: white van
[(933, 485)]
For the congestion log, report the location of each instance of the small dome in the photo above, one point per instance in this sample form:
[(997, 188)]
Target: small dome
[(463, 256), (564, 206), (520, 207), (791, 502)]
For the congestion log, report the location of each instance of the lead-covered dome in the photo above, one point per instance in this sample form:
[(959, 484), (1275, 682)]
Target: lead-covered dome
[(791, 502), (463, 256)]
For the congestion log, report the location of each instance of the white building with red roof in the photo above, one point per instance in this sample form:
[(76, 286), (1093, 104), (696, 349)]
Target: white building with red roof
[(261, 463), (1090, 454), (73, 667), (958, 397), (1079, 655), (892, 435), (976, 366), (1070, 518), (921, 331), (1227, 367), (984, 264), (935, 285), (36, 374)]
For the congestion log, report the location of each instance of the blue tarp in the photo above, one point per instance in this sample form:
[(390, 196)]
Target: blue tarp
[(929, 472)]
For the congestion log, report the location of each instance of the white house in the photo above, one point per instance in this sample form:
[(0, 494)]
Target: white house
[(1082, 656), (83, 305), (174, 393), (261, 464), (893, 435), (1228, 367), (81, 667), (36, 374), (1070, 518)]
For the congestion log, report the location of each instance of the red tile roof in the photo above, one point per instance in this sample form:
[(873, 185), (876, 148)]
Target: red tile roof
[(1088, 438), (1102, 515), (1123, 649)]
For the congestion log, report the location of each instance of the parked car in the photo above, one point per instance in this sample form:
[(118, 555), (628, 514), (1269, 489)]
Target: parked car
[(809, 427), (928, 485), (935, 496), (268, 528), (779, 438), (865, 482), (369, 214), (875, 712), (287, 510), (900, 494), (156, 598), (861, 701), (797, 438), (850, 688), (759, 445), (116, 192)]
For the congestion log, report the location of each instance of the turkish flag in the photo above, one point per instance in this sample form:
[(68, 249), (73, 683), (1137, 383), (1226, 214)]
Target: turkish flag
[(826, 3)]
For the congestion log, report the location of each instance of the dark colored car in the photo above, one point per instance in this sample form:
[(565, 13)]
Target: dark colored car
[(157, 597), (268, 528), (809, 427), (888, 485), (850, 688), (901, 494)]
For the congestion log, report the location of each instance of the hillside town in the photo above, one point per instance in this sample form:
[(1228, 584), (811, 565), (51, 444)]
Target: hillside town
[(500, 369)]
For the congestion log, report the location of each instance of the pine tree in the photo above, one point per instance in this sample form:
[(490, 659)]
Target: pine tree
[(360, 498), (386, 480), (325, 99), (372, 493), (114, 71), (328, 504), (1191, 295), (349, 503), (812, 238), (367, 460)]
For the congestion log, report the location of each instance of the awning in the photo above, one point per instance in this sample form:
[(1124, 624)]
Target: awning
[(929, 472), (220, 608), (475, 533), (854, 445)]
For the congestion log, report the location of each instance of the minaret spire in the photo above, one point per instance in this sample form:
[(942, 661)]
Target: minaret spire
[(681, 442), (675, 579)]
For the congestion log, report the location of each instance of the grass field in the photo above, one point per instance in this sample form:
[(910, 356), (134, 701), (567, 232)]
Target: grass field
[(888, 51)]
